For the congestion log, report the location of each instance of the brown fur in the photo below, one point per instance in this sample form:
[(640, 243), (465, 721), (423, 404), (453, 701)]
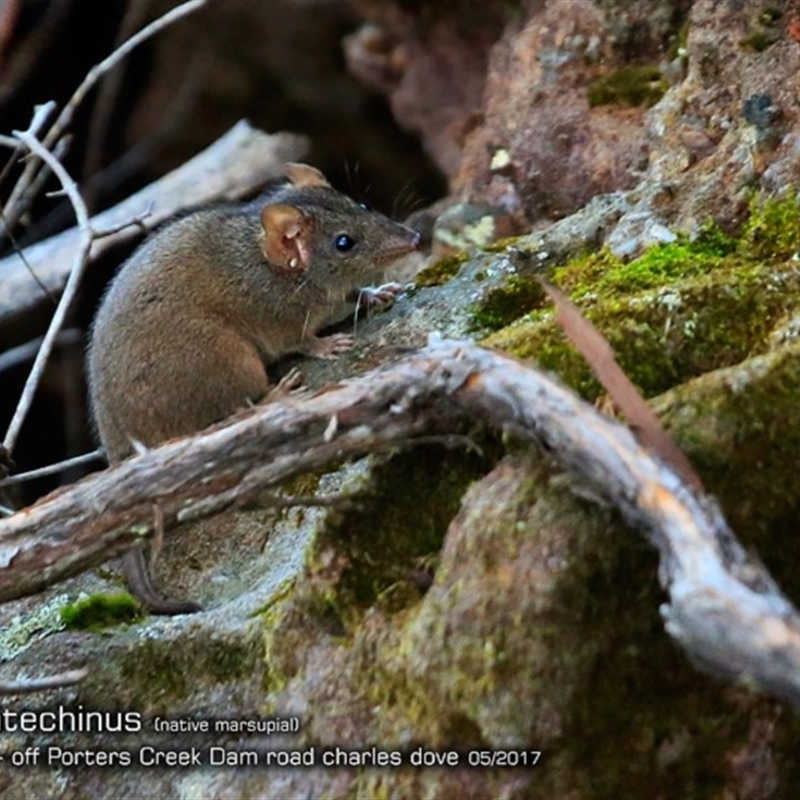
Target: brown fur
[(185, 331)]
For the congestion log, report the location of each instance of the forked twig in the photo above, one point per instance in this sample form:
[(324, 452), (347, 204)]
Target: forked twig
[(76, 273), (16, 204), (33, 177)]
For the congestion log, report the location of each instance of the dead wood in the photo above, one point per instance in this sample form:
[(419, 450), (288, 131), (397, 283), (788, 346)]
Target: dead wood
[(724, 608)]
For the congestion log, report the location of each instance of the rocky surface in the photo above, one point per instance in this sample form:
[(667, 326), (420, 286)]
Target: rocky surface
[(475, 601)]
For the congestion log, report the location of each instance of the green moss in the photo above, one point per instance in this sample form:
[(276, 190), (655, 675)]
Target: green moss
[(770, 16), (295, 623), (666, 263), (676, 311), (603, 272), (658, 266), (712, 241), (503, 304), (400, 520), (630, 85), (155, 675), (441, 270), (643, 689), (502, 244), (739, 438), (772, 231), (98, 611), (678, 42), (581, 274), (735, 431), (662, 336), (225, 660), (371, 555)]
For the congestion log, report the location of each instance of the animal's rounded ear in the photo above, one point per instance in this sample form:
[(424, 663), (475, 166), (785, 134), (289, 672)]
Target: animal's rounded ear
[(285, 240), (304, 175)]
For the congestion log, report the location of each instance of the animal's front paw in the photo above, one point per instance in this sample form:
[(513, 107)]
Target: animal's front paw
[(378, 297), (290, 384), (330, 347)]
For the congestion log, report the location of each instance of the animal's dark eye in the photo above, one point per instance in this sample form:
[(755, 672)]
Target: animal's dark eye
[(344, 243), (363, 206)]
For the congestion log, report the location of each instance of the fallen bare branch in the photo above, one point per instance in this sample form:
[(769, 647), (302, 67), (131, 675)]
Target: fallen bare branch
[(235, 165), (724, 608)]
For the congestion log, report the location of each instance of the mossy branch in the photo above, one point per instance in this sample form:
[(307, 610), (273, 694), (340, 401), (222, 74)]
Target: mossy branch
[(724, 608)]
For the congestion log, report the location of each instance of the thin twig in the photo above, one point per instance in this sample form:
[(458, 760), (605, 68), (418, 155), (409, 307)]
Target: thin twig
[(40, 115), (71, 288), (39, 180), (41, 684), (14, 208), (53, 469), (597, 351), (26, 352), (135, 13)]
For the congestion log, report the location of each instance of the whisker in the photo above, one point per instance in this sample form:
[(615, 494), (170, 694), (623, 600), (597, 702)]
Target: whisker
[(406, 201)]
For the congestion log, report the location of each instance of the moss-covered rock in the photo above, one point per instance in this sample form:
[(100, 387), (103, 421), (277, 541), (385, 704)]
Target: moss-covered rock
[(664, 336), (772, 231), (675, 312), (737, 426), (540, 632), (376, 554), (441, 270), (503, 304)]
